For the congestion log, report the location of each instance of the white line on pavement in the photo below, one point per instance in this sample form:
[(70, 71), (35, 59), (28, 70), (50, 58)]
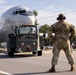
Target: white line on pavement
[(5, 73)]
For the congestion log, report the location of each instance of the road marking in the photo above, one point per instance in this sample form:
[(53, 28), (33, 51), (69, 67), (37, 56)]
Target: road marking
[(5, 73)]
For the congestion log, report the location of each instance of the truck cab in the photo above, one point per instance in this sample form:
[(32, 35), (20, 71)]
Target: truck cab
[(25, 39)]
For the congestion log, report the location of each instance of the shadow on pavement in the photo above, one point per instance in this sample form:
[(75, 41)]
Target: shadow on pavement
[(42, 73), (17, 56)]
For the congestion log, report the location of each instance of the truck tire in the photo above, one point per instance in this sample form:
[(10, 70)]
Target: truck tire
[(10, 53), (39, 53), (34, 53)]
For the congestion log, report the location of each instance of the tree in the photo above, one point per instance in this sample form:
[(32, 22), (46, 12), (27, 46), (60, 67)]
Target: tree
[(44, 28), (36, 14)]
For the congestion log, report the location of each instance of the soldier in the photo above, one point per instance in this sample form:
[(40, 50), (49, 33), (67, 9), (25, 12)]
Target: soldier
[(61, 33)]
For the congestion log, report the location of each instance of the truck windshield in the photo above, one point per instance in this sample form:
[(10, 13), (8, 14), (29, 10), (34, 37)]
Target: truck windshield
[(27, 30)]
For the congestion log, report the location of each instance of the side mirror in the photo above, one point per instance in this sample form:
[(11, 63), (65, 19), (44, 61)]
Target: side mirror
[(44, 34), (11, 35)]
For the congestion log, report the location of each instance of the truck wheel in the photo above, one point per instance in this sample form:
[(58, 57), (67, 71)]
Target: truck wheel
[(11, 54), (34, 53), (39, 53)]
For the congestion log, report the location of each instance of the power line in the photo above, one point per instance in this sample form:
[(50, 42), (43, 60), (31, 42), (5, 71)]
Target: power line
[(46, 17), (55, 15)]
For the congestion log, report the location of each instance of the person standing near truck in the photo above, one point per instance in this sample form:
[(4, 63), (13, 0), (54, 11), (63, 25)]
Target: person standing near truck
[(63, 34)]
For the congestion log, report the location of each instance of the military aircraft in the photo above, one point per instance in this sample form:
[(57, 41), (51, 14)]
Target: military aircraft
[(18, 15)]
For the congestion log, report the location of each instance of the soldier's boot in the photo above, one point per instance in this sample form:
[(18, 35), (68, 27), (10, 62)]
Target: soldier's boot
[(72, 68), (52, 69)]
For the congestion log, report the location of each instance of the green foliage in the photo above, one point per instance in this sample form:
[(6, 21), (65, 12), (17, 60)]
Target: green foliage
[(46, 42), (36, 23), (36, 14), (44, 28)]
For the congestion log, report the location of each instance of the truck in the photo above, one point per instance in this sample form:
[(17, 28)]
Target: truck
[(25, 38)]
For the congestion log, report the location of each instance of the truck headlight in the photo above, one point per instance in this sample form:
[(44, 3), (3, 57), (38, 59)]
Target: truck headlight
[(22, 44), (34, 44)]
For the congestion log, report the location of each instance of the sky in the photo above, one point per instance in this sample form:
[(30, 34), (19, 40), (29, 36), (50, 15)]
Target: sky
[(48, 10)]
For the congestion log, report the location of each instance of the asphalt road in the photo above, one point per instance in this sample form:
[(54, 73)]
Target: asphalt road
[(26, 64)]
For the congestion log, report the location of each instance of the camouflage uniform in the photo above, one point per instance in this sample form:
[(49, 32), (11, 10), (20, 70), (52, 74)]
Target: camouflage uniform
[(64, 32)]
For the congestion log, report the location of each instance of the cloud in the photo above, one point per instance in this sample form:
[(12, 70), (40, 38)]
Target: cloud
[(4, 8), (39, 2), (2, 1), (71, 17), (53, 8), (49, 11), (49, 15)]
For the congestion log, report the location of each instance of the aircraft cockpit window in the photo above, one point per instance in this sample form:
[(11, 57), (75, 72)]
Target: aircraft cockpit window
[(15, 12), (23, 12), (19, 12)]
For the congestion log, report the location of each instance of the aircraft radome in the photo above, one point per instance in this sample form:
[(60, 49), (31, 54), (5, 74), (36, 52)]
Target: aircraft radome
[(18, 15)]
